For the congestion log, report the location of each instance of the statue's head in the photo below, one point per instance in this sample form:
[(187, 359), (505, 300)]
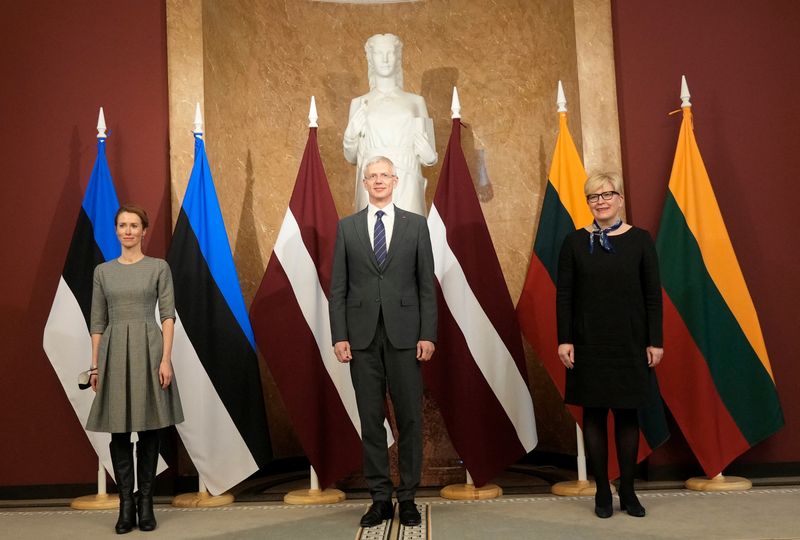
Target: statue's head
[(384, 58)]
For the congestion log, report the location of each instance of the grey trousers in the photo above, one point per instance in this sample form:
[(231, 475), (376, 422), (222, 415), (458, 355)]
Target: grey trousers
[(374, 369)]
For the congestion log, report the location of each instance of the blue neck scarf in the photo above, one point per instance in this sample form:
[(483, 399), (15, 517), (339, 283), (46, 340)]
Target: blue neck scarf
[(602, 236)]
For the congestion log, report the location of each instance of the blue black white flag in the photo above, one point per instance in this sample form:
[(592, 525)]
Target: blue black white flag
[(225, 428), (67, 341)]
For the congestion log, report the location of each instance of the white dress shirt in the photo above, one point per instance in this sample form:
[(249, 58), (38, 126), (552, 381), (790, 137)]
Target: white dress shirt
[(387, 219)]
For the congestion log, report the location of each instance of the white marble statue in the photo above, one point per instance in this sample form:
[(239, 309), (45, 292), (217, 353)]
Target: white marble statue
[(390, 122)]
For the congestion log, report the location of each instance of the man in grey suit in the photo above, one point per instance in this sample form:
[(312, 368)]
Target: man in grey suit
[(383, 322)]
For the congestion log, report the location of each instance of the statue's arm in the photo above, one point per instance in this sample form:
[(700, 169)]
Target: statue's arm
[(423, 146), (352, 133)]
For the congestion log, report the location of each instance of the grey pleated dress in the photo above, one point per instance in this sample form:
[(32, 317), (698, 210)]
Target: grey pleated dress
[(129, 397)]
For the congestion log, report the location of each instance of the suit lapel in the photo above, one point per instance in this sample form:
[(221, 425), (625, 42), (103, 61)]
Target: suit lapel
[(398, 233), (362, 232)]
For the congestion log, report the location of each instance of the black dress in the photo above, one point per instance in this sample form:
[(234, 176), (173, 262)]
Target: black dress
[(609, 307)]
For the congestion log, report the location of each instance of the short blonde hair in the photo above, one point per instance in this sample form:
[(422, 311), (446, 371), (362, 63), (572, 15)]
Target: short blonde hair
[(594, 182), (379, 159)]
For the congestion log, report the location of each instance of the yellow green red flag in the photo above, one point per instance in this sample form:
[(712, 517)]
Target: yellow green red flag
[(716, 377)]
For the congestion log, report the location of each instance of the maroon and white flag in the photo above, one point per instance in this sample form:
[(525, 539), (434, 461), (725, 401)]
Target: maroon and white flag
[(292, 329), (478, 374)]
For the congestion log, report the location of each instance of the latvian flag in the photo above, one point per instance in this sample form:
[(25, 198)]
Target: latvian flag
[(717, 379), (478, 375), (291, 322), (225, 426), (66, 334)]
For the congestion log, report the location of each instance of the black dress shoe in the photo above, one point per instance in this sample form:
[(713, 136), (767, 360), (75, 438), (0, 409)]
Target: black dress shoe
[(602, 504), (634, 508), (603, 511), (378, 511), (409, 515)]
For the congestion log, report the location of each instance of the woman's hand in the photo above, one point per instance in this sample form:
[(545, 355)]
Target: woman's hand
[(93, 380), (654, 355), (566, 353), (165, 374)]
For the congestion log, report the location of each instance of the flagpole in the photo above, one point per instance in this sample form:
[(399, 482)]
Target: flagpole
[(467, 491), (314, 495), (101, 500), (718, 482), (581, 486)]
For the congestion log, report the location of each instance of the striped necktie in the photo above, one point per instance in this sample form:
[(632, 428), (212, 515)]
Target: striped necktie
[(379, 244)]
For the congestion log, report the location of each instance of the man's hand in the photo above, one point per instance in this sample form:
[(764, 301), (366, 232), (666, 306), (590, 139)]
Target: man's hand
[(566, 353), (342, 351), (425, 350), (654, 355)]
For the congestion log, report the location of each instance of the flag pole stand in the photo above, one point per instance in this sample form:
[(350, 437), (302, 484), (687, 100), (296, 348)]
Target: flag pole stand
[(582, 486), (99, 501), (314, 495), (468, 491), (202, 499), (718, 483)]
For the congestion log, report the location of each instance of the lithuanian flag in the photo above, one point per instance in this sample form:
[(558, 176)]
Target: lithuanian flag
[(564, 209), (716, 377)]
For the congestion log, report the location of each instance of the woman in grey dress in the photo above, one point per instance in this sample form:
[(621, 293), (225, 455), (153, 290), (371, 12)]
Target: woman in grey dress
[(132, 364)]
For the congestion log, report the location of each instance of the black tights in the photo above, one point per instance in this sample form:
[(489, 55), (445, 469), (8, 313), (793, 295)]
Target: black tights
[(125, 438), (626, 436)]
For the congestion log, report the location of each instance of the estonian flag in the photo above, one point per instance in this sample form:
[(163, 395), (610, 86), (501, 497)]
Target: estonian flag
[(225, 426), (66, 335)]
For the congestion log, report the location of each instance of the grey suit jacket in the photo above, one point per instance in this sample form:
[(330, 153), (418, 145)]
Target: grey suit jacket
[(403, 290)]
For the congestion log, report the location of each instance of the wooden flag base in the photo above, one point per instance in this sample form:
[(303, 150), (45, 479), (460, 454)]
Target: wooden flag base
[(719, 483), (314, 496), (468, 492), (575, 488), (96, 502), (202, 499)]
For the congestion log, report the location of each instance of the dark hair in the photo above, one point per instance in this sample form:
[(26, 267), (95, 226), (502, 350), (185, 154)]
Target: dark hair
[(131, 208)]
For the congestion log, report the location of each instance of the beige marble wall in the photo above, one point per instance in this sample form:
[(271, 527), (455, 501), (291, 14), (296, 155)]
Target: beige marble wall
[(263, 59), (598, 89), (185, 79)]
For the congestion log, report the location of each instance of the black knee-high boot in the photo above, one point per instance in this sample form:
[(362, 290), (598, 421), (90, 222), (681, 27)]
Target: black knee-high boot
[(146, 463), (122, 460), (595, 436), (626, 435)]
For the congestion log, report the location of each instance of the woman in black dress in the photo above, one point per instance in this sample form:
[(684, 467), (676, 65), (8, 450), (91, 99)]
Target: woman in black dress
[(609, 333)]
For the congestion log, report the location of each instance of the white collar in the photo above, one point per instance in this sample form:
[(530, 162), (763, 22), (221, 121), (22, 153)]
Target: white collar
[(388, 210)]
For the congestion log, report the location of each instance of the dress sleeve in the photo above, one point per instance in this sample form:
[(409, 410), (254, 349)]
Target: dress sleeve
[(651, 283), (166, 294), (564, 291), (99, 317)]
